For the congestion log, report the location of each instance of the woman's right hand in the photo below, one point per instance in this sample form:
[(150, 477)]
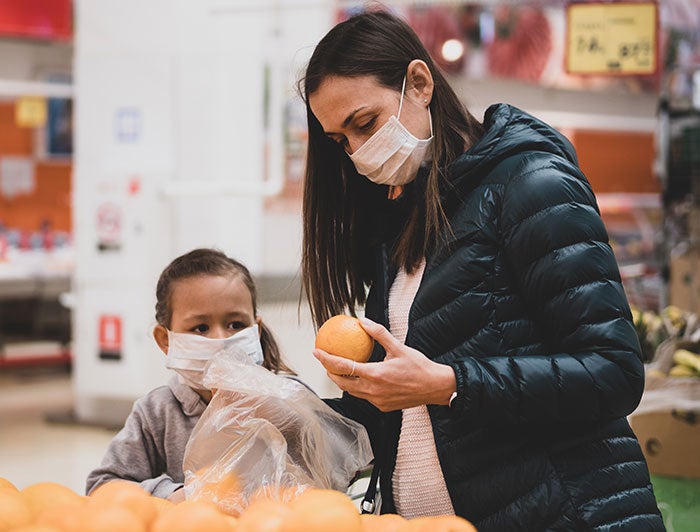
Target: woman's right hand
[(404, 379)]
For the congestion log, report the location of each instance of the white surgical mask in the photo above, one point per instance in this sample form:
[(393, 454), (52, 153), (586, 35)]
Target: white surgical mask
[(188, 354), (392, 156)]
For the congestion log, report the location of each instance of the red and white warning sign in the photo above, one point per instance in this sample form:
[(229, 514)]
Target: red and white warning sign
[(109, 226), (110, 336)]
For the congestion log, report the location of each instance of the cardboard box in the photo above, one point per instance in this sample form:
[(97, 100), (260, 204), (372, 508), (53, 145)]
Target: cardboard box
[(684, 284), (670, 442)]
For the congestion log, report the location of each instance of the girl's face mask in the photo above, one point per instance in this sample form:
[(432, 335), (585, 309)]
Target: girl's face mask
[(392, 156), (188, 354)]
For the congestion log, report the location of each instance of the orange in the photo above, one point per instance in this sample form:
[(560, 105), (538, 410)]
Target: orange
[(14, 510), (320, 510), (127, 495), (190, 516), (66, 517), (283, 494), (6, 484), (343, 336), (36, 528), (98, 518), (382, 523), (218, 485), (443, 523), (161, 505), (44, 495), (263, 515), (223, 488)]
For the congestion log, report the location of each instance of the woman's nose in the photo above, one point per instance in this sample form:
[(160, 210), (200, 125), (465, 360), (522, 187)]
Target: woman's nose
[(353, 145)]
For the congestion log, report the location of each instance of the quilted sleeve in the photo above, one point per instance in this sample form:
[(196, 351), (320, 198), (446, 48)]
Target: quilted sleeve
[(556, 246)]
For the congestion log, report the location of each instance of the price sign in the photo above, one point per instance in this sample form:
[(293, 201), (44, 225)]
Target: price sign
[(618, 39)]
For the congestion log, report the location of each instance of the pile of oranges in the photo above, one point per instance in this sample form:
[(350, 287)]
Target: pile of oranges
[(123, 506)]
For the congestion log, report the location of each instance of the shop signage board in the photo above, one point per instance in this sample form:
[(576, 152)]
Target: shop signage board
[(612, 39), (37, 19)]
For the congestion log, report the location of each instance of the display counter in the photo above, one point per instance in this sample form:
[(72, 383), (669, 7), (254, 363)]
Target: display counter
[(34, 325)]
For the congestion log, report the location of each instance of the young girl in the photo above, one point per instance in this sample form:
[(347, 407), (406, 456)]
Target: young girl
[(206, 302)]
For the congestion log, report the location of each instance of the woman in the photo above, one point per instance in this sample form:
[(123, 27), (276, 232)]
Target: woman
[(501, 392)]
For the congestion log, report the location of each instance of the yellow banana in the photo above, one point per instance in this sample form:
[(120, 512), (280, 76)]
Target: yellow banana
[(687, 358), (682, 371)]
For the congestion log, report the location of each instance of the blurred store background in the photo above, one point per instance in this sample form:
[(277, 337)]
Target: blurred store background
[(133, 131)]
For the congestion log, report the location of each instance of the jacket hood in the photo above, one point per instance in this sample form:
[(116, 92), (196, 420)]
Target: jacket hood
[(508, 130)]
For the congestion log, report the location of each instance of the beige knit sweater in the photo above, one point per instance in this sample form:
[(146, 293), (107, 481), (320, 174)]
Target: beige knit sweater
[(419, 485)]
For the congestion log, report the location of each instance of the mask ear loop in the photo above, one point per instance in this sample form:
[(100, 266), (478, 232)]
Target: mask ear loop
[(398, 116), (403, 88)]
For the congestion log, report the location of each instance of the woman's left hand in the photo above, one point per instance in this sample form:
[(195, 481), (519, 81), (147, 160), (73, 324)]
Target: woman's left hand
[(404, 379)]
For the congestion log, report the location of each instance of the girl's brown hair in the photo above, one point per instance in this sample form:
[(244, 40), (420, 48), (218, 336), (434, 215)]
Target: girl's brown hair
[(339, 204), (206, 261)]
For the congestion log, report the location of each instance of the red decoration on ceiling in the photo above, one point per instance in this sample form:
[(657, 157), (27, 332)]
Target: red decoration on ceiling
[(522, 44), (37, 19), (434, 26)]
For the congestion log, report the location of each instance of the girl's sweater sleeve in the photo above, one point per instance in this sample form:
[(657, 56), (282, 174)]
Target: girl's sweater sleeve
[(133, 455)]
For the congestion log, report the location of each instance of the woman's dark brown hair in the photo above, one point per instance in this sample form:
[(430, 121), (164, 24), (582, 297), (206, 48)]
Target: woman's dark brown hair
[(338, 202), (206, 261)]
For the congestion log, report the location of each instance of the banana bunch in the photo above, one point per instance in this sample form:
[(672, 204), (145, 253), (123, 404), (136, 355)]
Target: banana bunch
[(675, 320), (651, 331), (654, 328), (687, 364)]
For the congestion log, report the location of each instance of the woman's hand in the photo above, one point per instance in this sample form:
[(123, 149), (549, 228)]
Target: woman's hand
[(404, 379)]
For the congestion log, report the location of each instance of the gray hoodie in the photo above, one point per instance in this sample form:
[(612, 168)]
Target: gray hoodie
[(150, 448)]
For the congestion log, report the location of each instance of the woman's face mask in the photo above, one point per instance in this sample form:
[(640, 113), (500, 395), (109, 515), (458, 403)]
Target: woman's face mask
[(392, 156), (188, 354)]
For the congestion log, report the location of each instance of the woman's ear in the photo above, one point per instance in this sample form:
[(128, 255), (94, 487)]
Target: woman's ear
[(160, 335), (258, 320), (420, 81)]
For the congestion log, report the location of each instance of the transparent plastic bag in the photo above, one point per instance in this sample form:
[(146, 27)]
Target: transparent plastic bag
[(264, 433)]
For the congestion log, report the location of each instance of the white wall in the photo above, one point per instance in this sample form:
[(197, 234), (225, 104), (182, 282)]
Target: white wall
[(189, 74), (194, 71), (563, 108)]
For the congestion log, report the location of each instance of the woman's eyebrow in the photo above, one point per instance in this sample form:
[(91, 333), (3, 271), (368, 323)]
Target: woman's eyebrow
[(352, 115), (347, 120)]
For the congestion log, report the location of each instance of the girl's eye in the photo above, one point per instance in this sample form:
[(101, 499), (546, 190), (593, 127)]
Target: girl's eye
[(368, 125), (201, 328), (237, 325)]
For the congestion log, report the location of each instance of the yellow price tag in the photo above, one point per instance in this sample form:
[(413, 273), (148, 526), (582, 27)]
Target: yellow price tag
[(618, 39), (30, 111)]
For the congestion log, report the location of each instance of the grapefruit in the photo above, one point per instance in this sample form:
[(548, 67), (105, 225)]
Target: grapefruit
[(343, 336), (322, 510), (189, 516), (14, 510)]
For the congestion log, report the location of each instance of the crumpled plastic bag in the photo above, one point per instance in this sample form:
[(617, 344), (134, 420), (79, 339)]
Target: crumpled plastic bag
[(265, 434)]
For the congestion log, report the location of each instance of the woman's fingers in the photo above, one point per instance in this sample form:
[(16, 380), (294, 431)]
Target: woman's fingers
[(380, 334), (338, 365)]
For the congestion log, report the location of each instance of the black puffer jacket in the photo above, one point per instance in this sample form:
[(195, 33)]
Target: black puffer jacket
[(526, 305)]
